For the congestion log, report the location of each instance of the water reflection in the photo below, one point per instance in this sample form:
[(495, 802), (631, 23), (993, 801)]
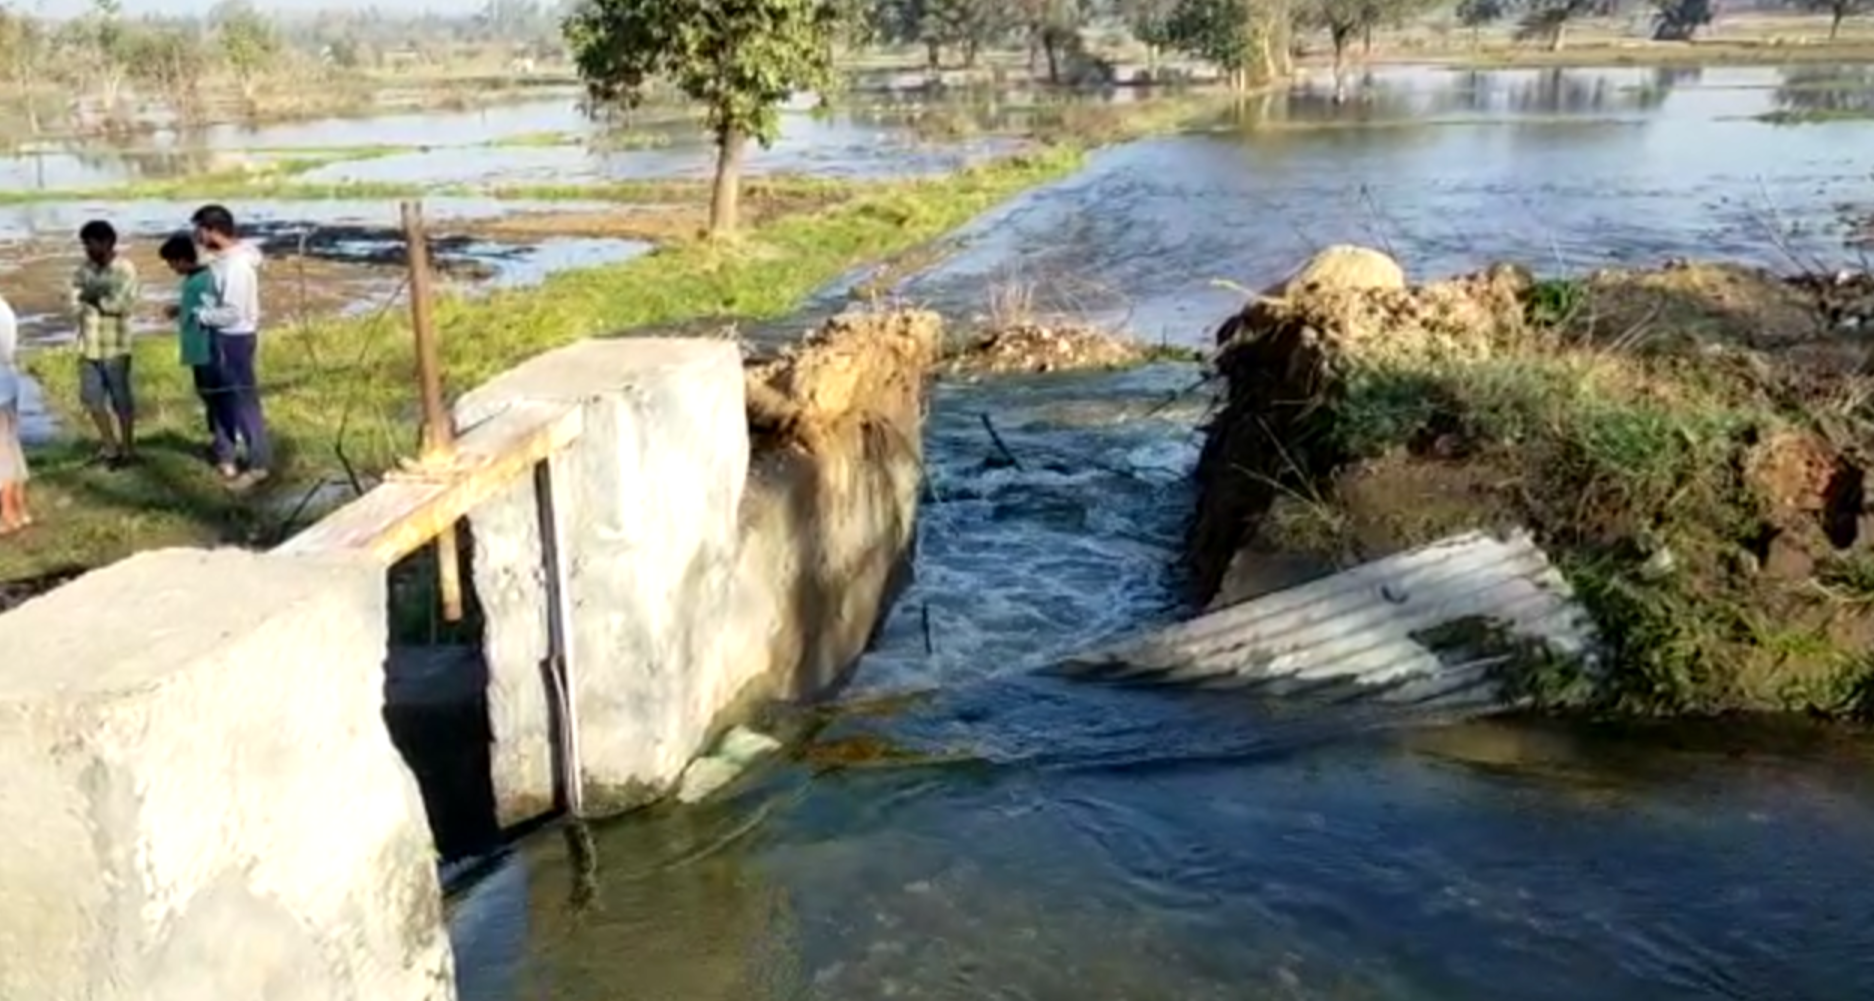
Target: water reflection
[(888, 133), (1829, 91), (1158, 224), (1507, 864), (652, 910)]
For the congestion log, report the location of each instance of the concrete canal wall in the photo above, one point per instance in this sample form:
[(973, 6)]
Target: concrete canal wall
[(203, 799)]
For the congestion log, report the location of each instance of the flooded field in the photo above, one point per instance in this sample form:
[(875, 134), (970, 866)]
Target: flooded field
[(965, 829), (1563, 170), (545, 141)]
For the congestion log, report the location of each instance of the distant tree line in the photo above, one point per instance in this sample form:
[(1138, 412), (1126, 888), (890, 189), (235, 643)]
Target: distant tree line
[(104, 58), (741, 62)]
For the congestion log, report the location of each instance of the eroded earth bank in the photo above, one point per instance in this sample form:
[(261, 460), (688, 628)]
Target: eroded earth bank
[(1689, 443)]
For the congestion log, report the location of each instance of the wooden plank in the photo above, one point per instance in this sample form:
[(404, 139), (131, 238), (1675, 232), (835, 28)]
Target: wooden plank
[(412, 507)]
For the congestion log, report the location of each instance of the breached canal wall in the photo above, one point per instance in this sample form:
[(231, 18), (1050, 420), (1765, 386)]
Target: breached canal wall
[(204, 798)]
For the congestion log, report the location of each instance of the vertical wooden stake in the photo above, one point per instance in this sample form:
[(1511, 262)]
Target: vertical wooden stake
[(438, 430)]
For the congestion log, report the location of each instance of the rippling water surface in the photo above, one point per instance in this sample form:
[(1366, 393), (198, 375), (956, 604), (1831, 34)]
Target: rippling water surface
[(965, 829)]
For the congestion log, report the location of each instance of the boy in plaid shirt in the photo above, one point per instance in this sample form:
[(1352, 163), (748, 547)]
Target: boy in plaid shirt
[(103, 295)]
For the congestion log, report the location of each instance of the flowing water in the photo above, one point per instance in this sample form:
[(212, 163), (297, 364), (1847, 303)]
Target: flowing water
[(1007, 835), (963, 828)]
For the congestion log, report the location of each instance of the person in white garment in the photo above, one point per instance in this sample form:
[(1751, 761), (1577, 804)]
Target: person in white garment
[(13, 473)]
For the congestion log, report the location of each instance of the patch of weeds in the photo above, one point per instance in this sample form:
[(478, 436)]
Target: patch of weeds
[(1815, 116), (1553, 302), (1613, 481), (1531, 671), (1857, 701), (1849, 577), (1657, 639)]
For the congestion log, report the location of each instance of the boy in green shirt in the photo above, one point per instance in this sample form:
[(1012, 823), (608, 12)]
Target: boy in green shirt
[(196, 347), (103, 296)]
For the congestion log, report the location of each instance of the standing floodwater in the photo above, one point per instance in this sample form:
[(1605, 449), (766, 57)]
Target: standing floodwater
[(1020, 838)]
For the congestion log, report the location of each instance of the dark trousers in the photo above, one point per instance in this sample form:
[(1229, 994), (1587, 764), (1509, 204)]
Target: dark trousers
[(234, 358), (218, 407)]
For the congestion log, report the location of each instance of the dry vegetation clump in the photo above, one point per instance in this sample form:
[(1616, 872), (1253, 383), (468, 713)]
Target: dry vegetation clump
[(1038, 348), (1690, 443), (1015, 337), (860, 364)]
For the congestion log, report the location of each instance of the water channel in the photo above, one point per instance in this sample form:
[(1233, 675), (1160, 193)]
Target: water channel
[(1007, 836), (962, 829)]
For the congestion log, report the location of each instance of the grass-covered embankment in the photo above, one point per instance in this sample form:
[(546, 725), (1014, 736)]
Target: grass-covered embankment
[(341, 392), (1689, 444)]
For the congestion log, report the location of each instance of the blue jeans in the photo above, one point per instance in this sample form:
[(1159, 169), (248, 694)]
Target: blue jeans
[(240, 395)]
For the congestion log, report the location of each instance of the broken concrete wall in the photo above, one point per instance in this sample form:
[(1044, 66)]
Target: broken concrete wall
[(648, 500), (706, 566)]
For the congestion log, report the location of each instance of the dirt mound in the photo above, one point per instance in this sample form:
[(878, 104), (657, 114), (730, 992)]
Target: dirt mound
[(1688, 443), (1687, 306), (1470, 316), (1344, 267), (1035, 348), (859, 364), (830, 508)]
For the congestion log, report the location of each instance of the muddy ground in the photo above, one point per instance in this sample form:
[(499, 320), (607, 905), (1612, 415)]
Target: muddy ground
[(328, 278), (660, 222), (1689, 443)]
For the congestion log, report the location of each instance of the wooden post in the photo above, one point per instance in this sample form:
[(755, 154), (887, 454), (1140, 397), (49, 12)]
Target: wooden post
[(438, 430)]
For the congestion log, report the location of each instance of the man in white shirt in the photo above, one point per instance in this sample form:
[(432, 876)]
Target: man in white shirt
[(232, 318)]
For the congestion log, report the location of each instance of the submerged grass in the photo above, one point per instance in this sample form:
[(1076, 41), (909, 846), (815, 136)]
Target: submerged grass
[(340, 392), (1815, 116)]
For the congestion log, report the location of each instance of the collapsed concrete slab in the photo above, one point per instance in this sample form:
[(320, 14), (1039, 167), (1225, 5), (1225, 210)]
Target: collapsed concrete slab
[(201, 801)]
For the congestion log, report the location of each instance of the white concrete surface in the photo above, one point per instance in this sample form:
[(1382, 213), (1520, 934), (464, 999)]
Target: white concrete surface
[(649, 500), (201, 802)]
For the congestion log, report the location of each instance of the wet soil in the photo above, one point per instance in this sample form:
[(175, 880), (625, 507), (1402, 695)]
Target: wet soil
[(296, 287), (1689, 441), (1035, 348)]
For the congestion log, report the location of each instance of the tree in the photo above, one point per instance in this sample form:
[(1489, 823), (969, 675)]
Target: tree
[(1837, 11), (1341, 20), (740, 61), (1053, 30), (1150, 23), (249, 45), (1474, 14), (93, 51), (1247, 39), (168, 59), (965, 25), (1679, 20), (23, 54), (1548, 20)]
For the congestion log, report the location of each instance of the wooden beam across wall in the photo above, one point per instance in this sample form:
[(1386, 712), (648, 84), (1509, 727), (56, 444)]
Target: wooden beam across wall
[(412, 507)]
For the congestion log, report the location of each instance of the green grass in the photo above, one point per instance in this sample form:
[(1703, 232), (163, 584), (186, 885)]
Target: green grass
[(1816, 116), (1628, 468), (340, 393)]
